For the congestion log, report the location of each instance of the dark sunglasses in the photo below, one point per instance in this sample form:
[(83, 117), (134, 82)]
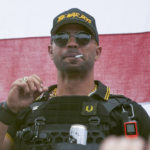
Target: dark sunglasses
[(61, 39)]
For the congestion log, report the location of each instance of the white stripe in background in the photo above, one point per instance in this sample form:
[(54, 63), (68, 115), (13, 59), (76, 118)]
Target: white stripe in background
[(32, 18), (146, 106)]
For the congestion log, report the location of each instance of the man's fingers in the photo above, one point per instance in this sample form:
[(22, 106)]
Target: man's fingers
[(148, 144), (39, 83), (38, 78), (21, 84), (35, 84), (23, 92), (122, 143), (25, 87), (30, 85), (45, 89)]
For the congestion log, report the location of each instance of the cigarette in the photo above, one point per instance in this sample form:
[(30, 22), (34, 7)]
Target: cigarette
[(78, 56)]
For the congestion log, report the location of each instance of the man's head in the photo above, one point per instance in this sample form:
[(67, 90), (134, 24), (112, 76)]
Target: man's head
[(74, 33), (77, 16)]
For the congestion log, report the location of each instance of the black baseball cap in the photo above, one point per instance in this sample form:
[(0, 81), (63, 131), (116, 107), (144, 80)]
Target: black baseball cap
[(75, 15)]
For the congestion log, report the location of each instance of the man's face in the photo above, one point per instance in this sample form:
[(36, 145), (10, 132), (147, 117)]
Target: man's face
[(64, 57)]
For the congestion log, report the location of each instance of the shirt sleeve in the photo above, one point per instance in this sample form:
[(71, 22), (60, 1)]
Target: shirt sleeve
[(143, 120), (140, 116), (11, 134)]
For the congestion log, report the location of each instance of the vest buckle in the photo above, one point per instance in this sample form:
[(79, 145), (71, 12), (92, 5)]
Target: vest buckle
[(94, 121)]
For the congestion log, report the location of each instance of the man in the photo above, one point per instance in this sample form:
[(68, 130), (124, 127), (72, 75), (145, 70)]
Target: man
[(76, 99)]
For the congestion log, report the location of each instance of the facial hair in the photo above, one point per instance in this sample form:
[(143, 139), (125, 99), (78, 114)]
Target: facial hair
[(69, 67)]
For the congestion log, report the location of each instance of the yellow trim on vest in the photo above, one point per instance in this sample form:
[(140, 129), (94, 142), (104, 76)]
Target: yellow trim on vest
[(107, 94), (53, 93), (10, 138)]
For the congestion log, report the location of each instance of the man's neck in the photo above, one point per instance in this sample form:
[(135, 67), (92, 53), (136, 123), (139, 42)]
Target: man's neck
[(77, 85)]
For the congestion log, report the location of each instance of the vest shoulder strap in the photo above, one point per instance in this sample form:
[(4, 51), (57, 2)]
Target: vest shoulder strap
[(114, 101)]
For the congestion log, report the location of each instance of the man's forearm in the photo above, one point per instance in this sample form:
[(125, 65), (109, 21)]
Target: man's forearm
[(7, 117), (3, 130)]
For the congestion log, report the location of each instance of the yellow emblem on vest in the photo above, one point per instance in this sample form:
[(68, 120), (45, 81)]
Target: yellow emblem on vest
[(89, 108)]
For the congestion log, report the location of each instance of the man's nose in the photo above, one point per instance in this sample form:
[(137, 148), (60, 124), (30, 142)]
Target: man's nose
[(72, 42)]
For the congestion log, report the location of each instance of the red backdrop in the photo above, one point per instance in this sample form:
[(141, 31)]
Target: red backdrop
[(123, 65)]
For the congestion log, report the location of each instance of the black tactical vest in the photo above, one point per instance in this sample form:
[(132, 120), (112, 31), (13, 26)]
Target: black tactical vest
[(46, 124)]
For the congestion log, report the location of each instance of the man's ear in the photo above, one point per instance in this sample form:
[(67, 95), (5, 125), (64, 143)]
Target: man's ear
[(50, 51), (98, 52)]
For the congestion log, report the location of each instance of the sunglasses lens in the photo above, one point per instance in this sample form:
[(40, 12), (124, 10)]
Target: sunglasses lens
[(61, 39), (83, 38)]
